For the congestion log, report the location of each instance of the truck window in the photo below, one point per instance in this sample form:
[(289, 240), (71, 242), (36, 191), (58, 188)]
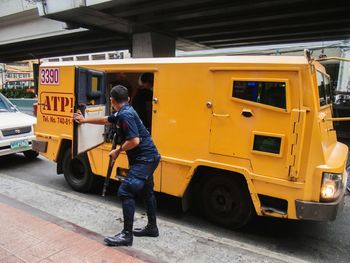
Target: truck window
[(328, 89), (268, 93), (95, 84), (267, 144), (94, 90), (324, 88)]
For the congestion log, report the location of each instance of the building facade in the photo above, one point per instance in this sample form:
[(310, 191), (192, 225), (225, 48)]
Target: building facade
[(17, 74)]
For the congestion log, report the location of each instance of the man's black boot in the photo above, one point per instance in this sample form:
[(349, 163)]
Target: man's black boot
[(147, 231), (124, 238)]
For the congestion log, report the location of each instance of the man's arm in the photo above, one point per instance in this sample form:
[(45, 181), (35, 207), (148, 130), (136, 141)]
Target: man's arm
[(130, 144), (126, 146), (79, 118)]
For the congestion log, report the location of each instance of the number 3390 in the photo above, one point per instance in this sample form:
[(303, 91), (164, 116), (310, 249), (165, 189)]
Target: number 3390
[(50, 76)]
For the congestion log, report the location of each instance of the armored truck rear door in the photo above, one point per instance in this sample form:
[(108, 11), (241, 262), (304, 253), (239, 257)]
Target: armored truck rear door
[(90, 87)]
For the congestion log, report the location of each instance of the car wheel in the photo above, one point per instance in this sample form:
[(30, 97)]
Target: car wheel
[(226, 201), (31, 154), (77, 172)]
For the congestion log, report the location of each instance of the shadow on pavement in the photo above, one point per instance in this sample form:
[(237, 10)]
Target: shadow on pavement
[(17, 160)]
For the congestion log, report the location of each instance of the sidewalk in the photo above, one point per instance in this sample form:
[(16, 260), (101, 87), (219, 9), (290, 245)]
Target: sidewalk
[(25, 237)]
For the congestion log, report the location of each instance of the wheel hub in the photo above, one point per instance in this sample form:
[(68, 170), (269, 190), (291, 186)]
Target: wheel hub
[(222, 200)]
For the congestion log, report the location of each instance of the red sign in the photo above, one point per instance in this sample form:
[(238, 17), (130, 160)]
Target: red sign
[(54, 103), (56, 108), (50, 76)]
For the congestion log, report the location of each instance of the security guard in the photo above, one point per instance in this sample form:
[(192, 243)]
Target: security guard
[(143, 159)]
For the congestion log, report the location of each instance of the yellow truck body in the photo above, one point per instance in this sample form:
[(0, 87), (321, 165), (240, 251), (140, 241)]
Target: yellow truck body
[(238, 135)]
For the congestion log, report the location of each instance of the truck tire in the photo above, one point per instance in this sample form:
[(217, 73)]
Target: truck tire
[(77, 172), (31, 154), (226, 201)]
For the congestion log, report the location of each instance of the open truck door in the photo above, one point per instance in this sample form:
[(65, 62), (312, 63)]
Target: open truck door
[(90, 87)]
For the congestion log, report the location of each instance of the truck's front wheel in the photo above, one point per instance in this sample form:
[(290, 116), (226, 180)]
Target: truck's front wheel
[(77, 172), (226, 201)]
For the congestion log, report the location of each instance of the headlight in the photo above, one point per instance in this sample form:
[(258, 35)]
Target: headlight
[(331, 187)]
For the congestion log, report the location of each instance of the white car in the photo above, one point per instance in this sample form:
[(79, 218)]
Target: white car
[(16, 130)]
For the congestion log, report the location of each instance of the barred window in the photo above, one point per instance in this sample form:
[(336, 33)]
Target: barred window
[(264, 92)]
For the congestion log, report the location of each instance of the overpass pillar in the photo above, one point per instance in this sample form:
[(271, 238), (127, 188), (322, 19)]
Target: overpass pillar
[(150, 44), (344, 73)]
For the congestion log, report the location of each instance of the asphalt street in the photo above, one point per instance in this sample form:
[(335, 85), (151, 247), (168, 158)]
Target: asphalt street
[(185, 237)]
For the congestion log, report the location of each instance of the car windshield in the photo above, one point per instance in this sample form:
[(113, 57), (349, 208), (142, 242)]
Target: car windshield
[(6, 105)]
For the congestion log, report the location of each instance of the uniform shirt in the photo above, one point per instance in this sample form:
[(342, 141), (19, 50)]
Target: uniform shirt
[(130, 126)]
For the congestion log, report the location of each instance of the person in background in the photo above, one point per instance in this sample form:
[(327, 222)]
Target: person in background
[(142, 100)]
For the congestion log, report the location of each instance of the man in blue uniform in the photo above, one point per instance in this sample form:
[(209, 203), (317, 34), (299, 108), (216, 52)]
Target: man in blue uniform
[(143, 159)]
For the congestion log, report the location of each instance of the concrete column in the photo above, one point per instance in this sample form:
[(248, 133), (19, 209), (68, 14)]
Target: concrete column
[(150, 44), (2, 75)]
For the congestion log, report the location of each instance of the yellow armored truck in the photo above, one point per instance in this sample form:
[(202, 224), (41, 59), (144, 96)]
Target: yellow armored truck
[(238, 136)]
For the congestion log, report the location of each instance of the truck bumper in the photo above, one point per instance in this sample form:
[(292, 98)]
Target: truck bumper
[(319, 211), (39, 146)]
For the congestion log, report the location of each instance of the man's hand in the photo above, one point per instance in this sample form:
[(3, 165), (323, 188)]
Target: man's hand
[(114, 154), (78, 117)]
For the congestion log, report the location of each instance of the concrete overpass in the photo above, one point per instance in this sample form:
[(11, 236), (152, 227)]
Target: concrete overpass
[(156, 27)]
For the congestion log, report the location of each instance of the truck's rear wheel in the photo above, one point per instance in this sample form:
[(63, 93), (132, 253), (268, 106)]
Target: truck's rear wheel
[(77, 172), (226, 201)]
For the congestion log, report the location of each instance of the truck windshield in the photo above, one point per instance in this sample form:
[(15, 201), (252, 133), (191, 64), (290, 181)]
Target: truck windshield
[(324, 89)]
